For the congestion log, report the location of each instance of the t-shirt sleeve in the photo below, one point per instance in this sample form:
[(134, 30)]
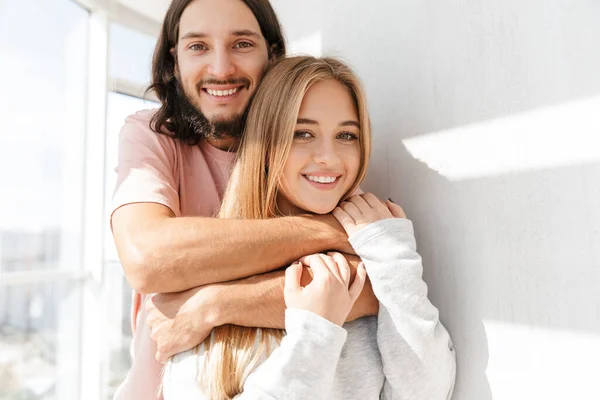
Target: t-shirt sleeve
[(146, 169)]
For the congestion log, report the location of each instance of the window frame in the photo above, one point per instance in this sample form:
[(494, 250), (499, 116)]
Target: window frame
[(90, 275)]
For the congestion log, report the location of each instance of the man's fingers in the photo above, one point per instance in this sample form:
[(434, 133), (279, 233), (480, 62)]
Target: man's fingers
[(293, 273), (161, 357), (359, 282), (395, 209)]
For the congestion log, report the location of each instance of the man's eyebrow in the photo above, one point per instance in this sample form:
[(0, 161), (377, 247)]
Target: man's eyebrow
[(246, 32), (193, 35), (201, 35), (307, 121)]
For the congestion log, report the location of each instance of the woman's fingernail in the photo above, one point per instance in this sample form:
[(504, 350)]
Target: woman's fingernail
[(392, 201)]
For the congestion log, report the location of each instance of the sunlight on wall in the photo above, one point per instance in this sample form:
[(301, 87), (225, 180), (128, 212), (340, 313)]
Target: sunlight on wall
[(527, 362), (562, 135), (312, 45)]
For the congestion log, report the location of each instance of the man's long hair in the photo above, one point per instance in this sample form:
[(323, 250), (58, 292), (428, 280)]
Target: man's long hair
[(173, 116), (233, 352)]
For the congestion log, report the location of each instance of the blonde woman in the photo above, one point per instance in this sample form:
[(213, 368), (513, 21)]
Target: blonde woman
[(305, 150)]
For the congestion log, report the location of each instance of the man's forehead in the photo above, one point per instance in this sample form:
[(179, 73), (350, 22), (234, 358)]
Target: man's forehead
[(214, 18)]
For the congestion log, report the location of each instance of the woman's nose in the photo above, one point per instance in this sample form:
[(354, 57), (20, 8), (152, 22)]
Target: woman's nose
[(326, 153)]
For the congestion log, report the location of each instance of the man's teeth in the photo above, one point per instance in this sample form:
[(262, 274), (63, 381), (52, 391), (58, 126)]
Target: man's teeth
[(222, 92), (322, 179)]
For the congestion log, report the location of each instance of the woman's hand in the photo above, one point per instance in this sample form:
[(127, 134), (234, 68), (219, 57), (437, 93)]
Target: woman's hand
[(362, 210), (329, 294)]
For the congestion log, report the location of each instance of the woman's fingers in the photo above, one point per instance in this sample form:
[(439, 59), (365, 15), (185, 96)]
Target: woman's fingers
[(342, 216), (395, 209), (293, 273), (352, 210), (373, 201), (332, 265), (343, 267), (359, 282), (317, 265), (360, 203)]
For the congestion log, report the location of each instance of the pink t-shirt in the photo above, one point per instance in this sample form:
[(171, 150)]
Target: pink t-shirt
[(190, 180)]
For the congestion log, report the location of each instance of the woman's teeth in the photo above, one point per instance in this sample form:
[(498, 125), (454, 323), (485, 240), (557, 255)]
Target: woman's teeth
[(322, 179), (222, 92)]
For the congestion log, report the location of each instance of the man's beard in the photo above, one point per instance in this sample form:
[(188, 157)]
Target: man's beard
[(232, 127)]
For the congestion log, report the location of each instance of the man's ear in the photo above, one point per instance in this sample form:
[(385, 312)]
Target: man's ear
[(272, 56), (173, 52)]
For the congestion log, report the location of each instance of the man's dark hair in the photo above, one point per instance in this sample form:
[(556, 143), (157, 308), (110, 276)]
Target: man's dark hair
[(173, 116)]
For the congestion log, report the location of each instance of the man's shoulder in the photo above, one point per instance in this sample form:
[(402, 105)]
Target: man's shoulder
[(142, 117), (138, 127)]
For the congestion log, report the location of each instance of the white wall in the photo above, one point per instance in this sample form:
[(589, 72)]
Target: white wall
[(487, 123)]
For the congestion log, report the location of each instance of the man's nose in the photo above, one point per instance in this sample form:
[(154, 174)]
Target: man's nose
[(221, 66)]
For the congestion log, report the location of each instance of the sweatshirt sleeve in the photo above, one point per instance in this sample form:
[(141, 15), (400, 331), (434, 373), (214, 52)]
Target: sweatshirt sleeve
[(416, 350), (303, 366)]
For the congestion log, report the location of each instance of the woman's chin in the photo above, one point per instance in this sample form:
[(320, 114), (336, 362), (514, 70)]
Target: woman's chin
[(320, 210)]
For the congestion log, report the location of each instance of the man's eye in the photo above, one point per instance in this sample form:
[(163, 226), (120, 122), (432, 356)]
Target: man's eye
[(243, 45), (302, 135), (347, 136)]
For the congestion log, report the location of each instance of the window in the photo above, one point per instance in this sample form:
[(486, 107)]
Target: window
[(119, 106), (42, 108), (64, 302), (130, 55)]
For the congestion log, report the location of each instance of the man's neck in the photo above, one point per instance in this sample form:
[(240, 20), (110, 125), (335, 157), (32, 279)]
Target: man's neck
[(225, 144)]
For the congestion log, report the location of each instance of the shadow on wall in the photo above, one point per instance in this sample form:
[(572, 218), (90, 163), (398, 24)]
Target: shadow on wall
[(486, 132), (444, 267)]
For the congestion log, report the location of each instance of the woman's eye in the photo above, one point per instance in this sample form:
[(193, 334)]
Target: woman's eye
[(302, 135), (347, 136), (243, 45), (197, 47)]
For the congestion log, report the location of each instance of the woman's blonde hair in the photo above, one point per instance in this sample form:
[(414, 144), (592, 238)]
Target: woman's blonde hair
[(233, 352)]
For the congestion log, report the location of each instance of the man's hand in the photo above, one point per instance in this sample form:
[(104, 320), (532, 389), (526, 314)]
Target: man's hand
[(180, 321), (361, 210)]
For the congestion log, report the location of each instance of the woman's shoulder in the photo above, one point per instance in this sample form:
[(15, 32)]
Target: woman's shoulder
[(180, 376)]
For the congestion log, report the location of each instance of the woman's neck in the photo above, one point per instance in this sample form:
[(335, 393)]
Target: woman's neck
[(286, 208)]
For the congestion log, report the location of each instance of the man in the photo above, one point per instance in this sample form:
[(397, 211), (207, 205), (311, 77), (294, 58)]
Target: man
[(173, 166)]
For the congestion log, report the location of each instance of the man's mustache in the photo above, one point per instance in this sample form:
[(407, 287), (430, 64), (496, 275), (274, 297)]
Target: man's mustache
[(236, 81)]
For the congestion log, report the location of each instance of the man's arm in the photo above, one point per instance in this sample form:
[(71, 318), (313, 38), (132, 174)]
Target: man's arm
[(258, 301), (180, 321), (161, 253)]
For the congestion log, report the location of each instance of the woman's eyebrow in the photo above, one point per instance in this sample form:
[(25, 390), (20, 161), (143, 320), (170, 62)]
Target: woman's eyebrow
[(350, 123), (307, 121)]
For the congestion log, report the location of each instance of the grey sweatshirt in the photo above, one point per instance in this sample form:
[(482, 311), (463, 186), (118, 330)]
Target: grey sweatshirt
[(402, 353)]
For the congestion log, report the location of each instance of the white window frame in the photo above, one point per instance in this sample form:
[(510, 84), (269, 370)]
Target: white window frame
[(90, 275)]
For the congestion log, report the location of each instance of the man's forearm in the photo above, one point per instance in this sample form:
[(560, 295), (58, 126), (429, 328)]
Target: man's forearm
[(258, 301), (175, 254)]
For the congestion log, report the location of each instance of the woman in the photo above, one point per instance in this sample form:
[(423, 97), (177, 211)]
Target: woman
[(306, 149)]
